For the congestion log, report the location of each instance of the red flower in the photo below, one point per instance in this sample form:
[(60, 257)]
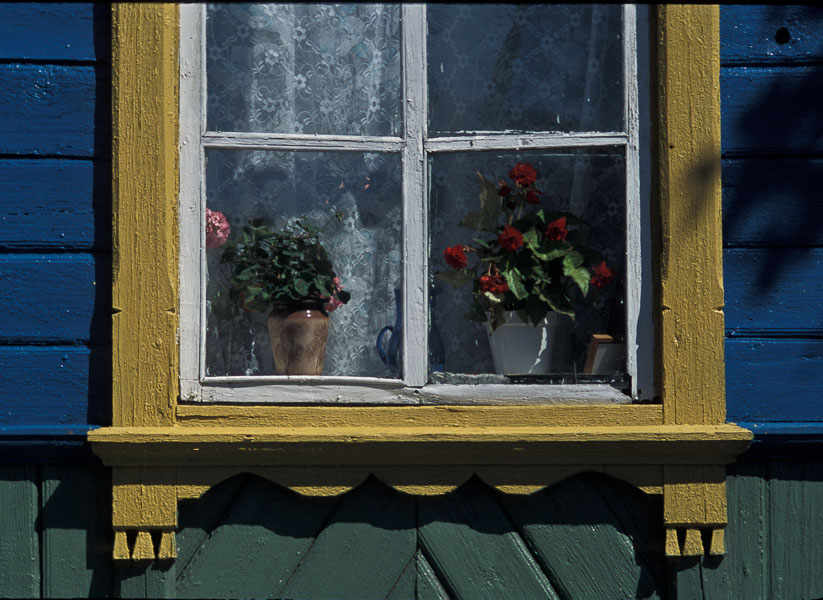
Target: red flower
[(531, 197), (602, 275), (510, 239), (504, 190), (523, 174), (556, 230), (495, 284), (456, 257)]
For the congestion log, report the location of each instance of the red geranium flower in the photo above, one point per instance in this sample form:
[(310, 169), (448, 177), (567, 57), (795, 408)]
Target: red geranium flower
[(531, 197), (510, 239), (602, 275), (456, 257), (556, 230), (523, 174), (495, 284), (504, 190)]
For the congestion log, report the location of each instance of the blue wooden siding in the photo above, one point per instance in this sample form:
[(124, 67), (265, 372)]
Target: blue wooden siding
[(773, 211), (55, 222)]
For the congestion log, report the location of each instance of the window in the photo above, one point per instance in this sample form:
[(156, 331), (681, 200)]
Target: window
[(385, 113), (162, 450)]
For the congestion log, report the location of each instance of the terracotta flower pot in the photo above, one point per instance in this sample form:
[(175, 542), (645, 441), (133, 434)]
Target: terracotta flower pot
[(298, 333)]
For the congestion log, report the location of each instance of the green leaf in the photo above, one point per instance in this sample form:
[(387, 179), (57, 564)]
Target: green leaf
[(455, 278), (471, 221), (223, 307), (301, 287), (515, 282), (581, 277), (530, 238), (536, 309), (476, 312), (571, 261), (558, 301), (490, 205)]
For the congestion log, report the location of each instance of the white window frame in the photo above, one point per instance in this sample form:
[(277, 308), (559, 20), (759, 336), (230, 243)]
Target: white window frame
[(414, 148)]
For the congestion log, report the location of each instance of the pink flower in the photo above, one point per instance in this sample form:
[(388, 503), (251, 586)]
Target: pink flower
[(333, 303), (217, 229)]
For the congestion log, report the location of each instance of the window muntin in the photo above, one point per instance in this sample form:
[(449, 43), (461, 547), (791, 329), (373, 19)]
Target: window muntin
[(415, 271)]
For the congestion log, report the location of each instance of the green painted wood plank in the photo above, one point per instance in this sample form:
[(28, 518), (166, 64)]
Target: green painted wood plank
[(197, 519), (363, 551), (76, 517), (19, 541), (145, 580), (255, 546), (428, 586), (743, 572), (474, 548), (406, 584), (592, 547), (796, 513)]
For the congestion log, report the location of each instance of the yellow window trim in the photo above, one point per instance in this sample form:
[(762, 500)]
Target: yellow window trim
[(162, 451)]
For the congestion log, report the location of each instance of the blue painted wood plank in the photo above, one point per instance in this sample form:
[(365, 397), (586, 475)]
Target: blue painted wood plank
[(55, 203), (55, 297), (774, 289), (55, 110), (771, 110), (749, 33), (19, 541), (772, 201), (54, 31), (53, 385), (774, 380)]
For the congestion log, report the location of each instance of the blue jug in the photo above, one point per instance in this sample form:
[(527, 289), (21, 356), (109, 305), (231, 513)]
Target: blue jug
[(393, 356)]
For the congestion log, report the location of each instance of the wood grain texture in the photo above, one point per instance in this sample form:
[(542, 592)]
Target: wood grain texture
[(54, 110), (774, 379), (691, 319), (274, 527), (748, 34), (54, 31), (364, 549), (474, 548), (772, 201), (562, 524), (774, 289), (752, 126), (53, 203), (53, 386), (19, 540), (145, 245), (76, 553), (54, 297)]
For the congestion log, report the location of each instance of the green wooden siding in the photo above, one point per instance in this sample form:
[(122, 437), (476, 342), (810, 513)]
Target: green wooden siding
[(588, 537)]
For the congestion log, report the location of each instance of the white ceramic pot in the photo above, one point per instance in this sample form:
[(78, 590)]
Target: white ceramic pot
[(522, 349)]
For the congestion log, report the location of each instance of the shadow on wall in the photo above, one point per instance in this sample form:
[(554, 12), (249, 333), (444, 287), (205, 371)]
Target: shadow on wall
[(587, 536)]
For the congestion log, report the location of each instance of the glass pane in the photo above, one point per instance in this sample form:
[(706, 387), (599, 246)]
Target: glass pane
[(304, 68), (525, 67), (587, 183), (364, 248)]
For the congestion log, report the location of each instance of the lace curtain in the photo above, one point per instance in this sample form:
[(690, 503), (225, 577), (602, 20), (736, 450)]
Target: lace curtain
[(336, 69)]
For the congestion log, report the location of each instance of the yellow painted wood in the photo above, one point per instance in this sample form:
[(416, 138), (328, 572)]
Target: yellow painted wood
[(143, 547), (145, 43), (691, 275), (163, 452), (718, 543), (121, 546), (693, 546), (380, 417), (167, 549), (144, 498)]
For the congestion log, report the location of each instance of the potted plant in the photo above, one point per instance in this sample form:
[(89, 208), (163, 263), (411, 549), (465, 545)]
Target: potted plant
[(528, 262), (288, 272)]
